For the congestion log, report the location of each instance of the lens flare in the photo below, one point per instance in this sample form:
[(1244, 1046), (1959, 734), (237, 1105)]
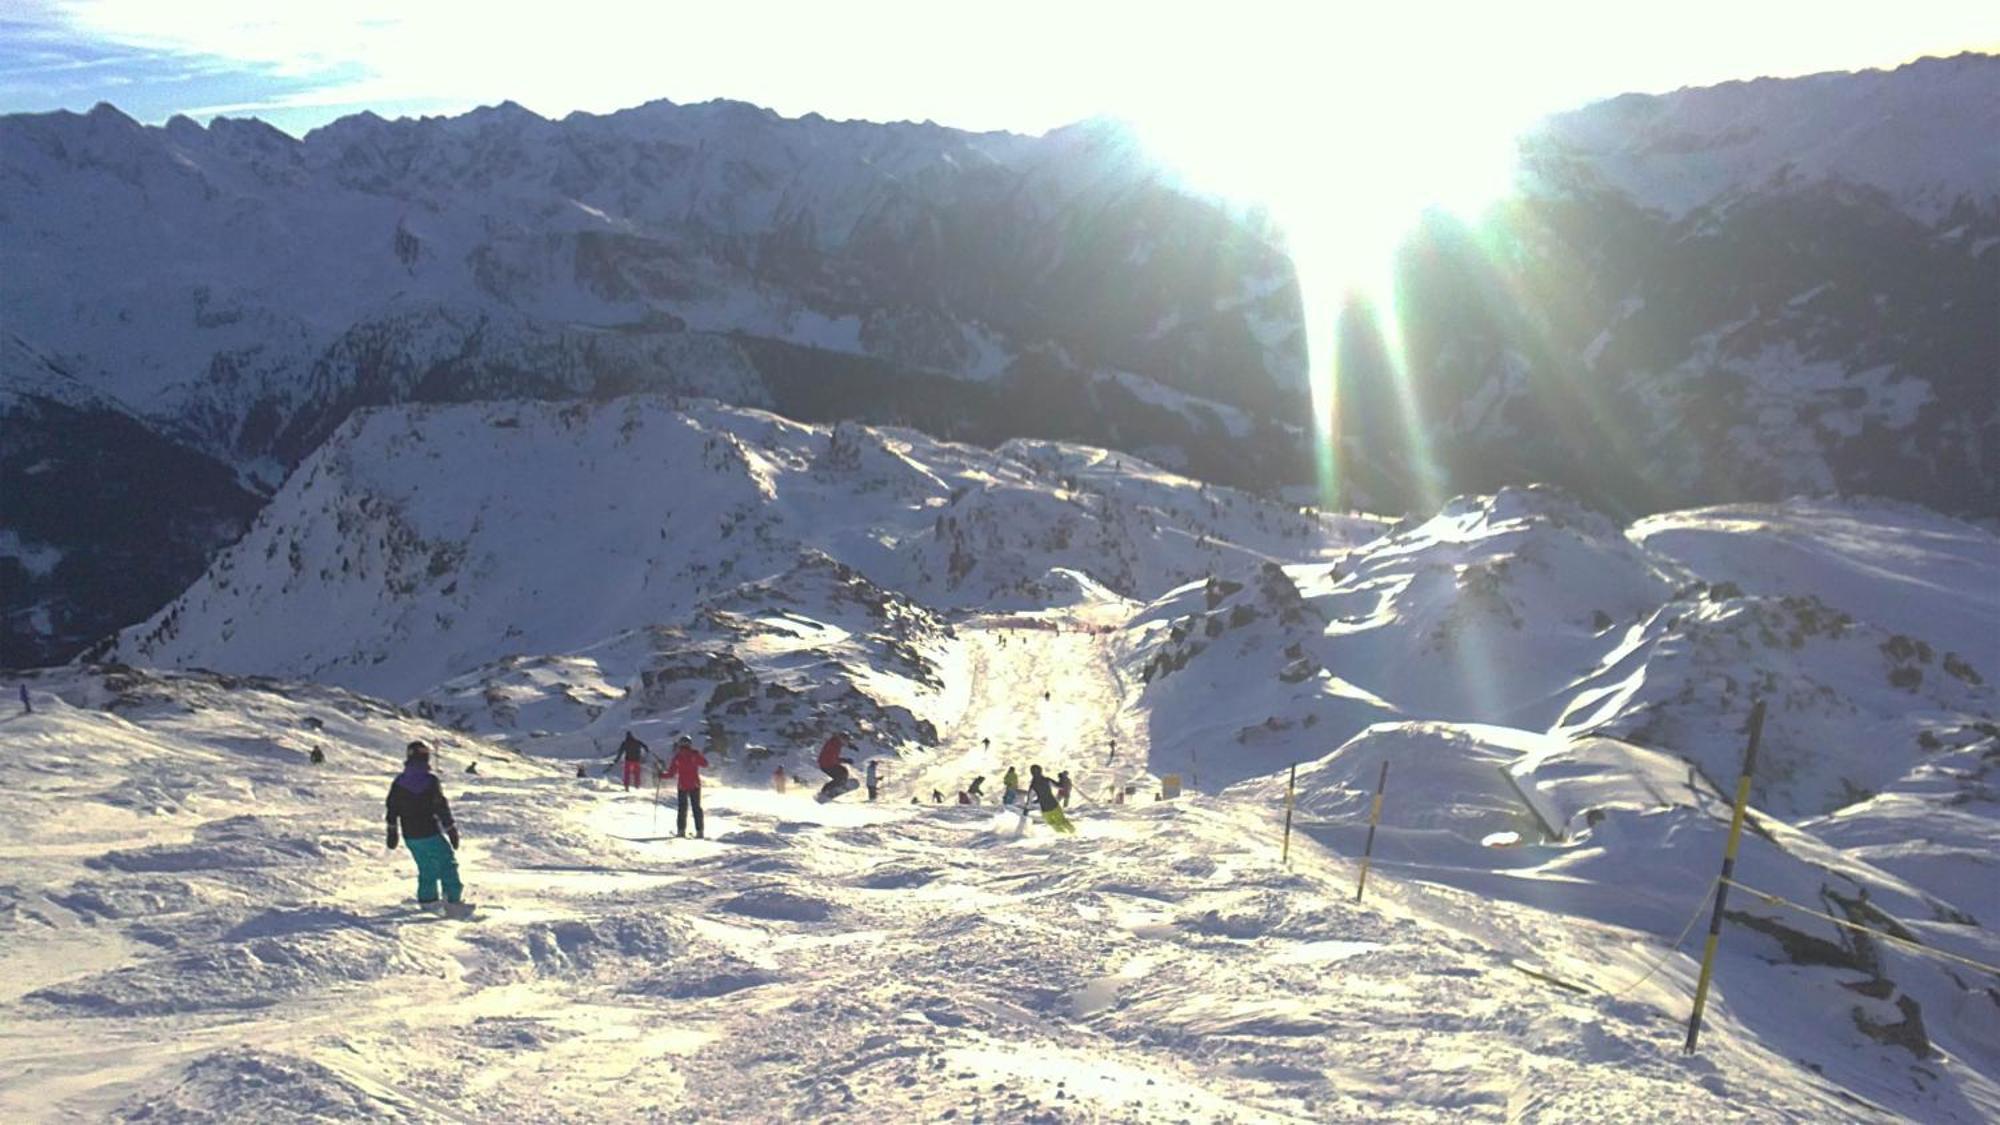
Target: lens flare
[(1346, 172)]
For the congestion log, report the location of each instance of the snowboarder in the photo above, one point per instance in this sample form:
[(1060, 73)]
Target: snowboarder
[(472, 767), (834, 766), (1063, 787), (416, 803), (872, 784), (1010, 786), (632, 753), (1045, 796), (686, 768), (317, 757), (27, 708), (937, 796), (974, 790)]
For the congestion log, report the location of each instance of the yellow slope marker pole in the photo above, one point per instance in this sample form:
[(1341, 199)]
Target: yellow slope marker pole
[(1374, 818), (1728, 870), (1291, 781)]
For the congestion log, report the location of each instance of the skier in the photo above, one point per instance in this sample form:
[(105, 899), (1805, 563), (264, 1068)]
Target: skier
[(416, 803), (1045, 795), (937, 796), (27, 708), (834, 765), (778, 779), (633, 753), (1010, 786), (317, 757), (974, 790), (1063, 787), (872, 787), (686, 768)]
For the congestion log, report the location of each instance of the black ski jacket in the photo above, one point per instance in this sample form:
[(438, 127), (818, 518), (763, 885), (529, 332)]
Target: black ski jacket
[(416, 801), (1045, 792), (632, 750)]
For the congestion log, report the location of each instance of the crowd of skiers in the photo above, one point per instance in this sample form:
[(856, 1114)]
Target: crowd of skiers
[(420, 817), (1048, 793)]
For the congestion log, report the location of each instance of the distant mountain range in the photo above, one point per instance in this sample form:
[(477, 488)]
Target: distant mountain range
[(1758, 289), (238, 293), (1746, 292)]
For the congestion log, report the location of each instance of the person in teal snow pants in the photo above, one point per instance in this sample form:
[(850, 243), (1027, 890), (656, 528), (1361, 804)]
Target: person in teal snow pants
[(417, 806)]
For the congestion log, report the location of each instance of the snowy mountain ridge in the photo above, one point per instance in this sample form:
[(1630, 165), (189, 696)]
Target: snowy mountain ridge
[(426, 541), (1761, 290), (1747, 292), (1899, 132), (166, 260), (239, 293)]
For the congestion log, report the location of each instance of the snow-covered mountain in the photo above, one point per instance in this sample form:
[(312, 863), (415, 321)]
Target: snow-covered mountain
[(421, 543), (248, 289), (102, 518), (1528, 610), (1739, 293), (1746, 292), (240, 292)]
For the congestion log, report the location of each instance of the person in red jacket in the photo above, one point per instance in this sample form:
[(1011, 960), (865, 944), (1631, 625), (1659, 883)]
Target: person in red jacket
[(631, 753), (686, 767), (833, 764)]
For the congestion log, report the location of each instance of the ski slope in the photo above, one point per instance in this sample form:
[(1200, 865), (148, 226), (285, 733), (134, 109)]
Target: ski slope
[(1561, 700), (200, 924), (1042, 690)]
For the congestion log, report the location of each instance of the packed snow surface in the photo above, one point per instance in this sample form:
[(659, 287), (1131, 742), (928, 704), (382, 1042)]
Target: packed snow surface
[(200, 922)]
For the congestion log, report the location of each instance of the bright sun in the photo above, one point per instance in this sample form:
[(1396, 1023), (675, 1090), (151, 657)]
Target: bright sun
[(1346, 159)]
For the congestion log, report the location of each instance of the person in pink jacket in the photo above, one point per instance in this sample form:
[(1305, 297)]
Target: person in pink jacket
[(686, 767)]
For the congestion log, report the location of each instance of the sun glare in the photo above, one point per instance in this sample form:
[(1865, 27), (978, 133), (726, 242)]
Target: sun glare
[(1346, 167)]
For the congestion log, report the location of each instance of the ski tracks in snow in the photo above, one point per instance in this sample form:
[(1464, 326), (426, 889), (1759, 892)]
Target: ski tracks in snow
[(245, 958), (1044, 692)]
